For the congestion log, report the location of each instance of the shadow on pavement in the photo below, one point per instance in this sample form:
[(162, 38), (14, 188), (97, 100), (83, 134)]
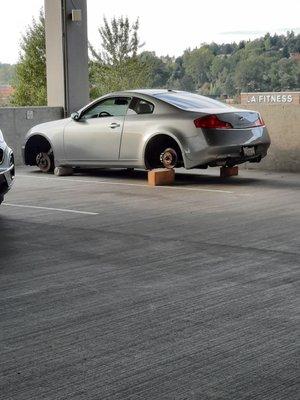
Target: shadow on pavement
[(189, 178)]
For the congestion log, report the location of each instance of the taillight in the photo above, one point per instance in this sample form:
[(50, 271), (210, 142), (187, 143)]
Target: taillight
[(211, 122), (259, 122)]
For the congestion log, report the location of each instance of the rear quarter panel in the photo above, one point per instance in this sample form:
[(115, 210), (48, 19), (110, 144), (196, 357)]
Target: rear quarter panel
[(139, 129)]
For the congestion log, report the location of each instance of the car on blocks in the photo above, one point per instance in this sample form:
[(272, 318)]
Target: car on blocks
[(148, 129)]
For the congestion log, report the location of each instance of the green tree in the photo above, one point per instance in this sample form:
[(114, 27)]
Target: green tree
[(159, 70), (252, 74), (179, 79), (119, 41), (6, 73), (117, 66), (30, 72), (105, 78), (197, 64), (285, 74), (218, 65), (285, 51)]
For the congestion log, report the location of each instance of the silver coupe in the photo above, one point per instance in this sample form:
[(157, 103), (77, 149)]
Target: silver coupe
[(148, 129)]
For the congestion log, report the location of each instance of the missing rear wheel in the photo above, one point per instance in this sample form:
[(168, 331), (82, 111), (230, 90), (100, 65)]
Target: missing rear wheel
[(169, 158)]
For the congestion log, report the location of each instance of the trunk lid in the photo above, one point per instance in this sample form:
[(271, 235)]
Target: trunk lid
[(241, 119)]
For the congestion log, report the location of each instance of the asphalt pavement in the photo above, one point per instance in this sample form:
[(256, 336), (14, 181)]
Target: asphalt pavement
[(111, 289)]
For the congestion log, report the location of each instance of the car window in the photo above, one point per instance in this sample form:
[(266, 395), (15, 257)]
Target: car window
[(140, 106), (188, 101), (113, 106)]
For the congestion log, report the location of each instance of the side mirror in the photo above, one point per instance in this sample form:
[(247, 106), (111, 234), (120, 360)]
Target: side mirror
[(75, 116)]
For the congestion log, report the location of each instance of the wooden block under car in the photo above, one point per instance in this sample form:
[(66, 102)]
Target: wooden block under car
[(63, 171), (225, 172), (161, 176)]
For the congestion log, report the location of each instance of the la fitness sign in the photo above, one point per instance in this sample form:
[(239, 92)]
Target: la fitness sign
[(271, 98)]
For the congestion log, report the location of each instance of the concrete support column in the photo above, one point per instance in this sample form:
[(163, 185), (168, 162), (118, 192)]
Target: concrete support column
[(67, 54)]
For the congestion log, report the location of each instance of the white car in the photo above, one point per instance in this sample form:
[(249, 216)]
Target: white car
[(7, 167)]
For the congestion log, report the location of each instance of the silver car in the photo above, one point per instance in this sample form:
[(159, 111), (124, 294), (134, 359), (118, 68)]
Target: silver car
[(148, 129), (7, 167)]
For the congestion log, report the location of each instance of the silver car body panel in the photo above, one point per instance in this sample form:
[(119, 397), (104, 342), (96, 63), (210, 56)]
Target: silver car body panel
[(120, 141)]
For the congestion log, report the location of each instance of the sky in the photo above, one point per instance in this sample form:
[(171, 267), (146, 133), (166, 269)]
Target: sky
[(167, 27)]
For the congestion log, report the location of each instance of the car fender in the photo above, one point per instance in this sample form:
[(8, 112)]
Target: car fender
[(55, 142), (167, 133), (30, 135)]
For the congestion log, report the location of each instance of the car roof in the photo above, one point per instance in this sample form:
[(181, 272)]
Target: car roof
[(151, 91), (148, 92)]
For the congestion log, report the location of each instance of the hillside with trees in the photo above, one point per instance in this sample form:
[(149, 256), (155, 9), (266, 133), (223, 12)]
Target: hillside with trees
[(265, 64), (270, 63), (6, 74)]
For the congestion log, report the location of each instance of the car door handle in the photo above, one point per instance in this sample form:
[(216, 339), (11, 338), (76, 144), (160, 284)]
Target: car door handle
[(114, 125)]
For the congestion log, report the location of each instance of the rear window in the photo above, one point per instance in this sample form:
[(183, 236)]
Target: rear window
[(140, 106), (189, 101)]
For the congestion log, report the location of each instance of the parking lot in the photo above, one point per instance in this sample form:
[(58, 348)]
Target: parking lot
[(111, 289)]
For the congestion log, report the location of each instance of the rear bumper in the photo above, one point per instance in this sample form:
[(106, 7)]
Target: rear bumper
[(226, 147)]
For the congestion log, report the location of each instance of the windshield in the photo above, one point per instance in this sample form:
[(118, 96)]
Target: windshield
[(189, 101)]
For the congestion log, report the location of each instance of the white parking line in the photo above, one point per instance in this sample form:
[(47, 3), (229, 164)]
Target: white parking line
[(50, 209), (61, 179)]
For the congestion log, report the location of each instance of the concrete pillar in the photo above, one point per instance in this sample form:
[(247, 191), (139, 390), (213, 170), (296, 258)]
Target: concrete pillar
[(67, 54), (54, 54)]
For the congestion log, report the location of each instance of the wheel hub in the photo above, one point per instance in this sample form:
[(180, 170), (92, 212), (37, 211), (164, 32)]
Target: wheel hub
[(168, 158), (43, 162)]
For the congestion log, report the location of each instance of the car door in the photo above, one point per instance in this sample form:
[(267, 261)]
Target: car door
[(96, 135), (138, 120)]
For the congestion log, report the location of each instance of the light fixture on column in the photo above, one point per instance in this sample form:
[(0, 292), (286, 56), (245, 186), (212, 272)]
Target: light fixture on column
[(76, 15)]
